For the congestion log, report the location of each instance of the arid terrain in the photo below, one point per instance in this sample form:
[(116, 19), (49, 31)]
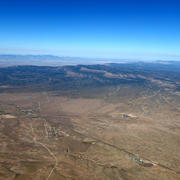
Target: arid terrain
[(90, 122)]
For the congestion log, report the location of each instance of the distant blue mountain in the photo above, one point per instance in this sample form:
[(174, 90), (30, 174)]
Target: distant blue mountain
[(50, 60)]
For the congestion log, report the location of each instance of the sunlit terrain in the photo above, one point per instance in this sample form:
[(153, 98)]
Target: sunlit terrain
[(90, 122)]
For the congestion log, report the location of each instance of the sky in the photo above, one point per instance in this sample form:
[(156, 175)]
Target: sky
[(126, 29)]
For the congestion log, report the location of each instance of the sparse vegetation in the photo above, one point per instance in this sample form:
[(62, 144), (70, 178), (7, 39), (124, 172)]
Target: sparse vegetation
[(114, 121)]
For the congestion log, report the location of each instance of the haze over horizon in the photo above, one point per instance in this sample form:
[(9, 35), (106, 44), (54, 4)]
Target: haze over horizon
[(90, 90), (145, 30)]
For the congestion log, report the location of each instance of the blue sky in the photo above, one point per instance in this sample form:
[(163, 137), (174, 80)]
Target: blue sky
[(134, 29)]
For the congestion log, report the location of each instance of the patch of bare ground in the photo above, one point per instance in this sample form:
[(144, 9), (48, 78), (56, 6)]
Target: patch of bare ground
[(7, 116), (57, 137)]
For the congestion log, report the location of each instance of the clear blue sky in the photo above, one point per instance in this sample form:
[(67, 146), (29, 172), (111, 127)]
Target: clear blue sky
[(145, 29)]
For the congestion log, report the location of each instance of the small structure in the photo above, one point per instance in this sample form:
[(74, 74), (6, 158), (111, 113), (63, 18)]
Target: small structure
[(125, 116), (144, 163), (89, 141)]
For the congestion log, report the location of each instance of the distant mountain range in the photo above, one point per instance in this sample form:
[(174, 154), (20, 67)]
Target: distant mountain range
[(46, 60), (50, 60)]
